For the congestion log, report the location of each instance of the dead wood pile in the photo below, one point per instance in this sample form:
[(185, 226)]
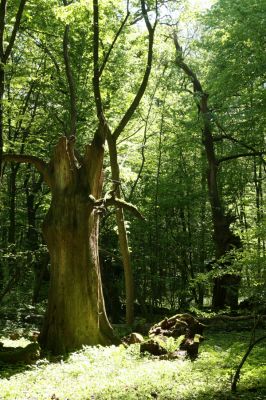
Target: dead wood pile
[(187, 331)]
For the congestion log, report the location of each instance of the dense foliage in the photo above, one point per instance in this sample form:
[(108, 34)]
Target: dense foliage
[(51, 65)]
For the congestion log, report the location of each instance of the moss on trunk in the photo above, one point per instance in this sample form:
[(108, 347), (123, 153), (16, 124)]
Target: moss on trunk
[(76, 313)]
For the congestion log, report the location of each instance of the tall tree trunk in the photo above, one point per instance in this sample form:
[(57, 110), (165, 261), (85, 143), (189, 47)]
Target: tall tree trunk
[(12, 203), (2, 88), (39, 262), (202, 236), (225, 291), (32, 234), (122, 234), (76, 311)]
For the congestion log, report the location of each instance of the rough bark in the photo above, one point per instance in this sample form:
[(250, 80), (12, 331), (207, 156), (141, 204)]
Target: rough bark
[(76, 312)]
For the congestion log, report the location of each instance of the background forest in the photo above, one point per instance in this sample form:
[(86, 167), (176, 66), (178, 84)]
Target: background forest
[(177, 92)]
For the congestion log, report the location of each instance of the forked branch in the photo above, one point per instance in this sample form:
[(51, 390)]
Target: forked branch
[(135, 103)]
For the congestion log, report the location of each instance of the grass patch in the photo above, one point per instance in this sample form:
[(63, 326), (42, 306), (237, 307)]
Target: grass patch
[(107, 373)]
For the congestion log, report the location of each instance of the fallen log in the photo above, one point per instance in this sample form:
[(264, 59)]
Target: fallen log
[(224, 317)]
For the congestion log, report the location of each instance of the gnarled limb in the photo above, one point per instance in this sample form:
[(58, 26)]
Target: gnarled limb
[(110, 200)]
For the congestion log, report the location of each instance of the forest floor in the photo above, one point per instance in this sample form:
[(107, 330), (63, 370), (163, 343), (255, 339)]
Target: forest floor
[(101, 373)]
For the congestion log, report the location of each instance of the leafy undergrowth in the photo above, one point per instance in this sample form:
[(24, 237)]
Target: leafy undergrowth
[(101, 373)]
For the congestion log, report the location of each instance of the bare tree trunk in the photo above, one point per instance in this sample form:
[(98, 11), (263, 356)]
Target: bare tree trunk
[(112, 137), (2, 78), (12, 203), (76, 311), (157, 265), (202, 243), (122, 234), (225, 291)]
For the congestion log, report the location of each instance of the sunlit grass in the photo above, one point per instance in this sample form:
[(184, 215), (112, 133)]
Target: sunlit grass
[(117, 373)]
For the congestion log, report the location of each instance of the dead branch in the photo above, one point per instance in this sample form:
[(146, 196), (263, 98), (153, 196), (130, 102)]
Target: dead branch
[(39, 164), (110, 200)]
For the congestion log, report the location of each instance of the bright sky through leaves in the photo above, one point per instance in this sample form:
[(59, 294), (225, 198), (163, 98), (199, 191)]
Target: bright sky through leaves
[(201, 4)]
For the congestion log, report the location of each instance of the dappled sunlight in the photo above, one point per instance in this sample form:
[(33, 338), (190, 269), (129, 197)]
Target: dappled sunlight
[(116, 372)]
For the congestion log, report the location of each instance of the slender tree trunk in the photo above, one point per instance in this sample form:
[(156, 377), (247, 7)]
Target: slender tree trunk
[(76, 311), (259, 201), (122, 234), (157, 271), (202, 239), (39, 263), (32, 235), (12, 203), (2, 88)]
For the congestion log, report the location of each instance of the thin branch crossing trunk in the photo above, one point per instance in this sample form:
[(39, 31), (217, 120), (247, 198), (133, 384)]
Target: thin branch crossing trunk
[(122, 233)]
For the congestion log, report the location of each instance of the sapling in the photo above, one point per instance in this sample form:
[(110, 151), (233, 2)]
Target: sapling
[(252, 343)]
